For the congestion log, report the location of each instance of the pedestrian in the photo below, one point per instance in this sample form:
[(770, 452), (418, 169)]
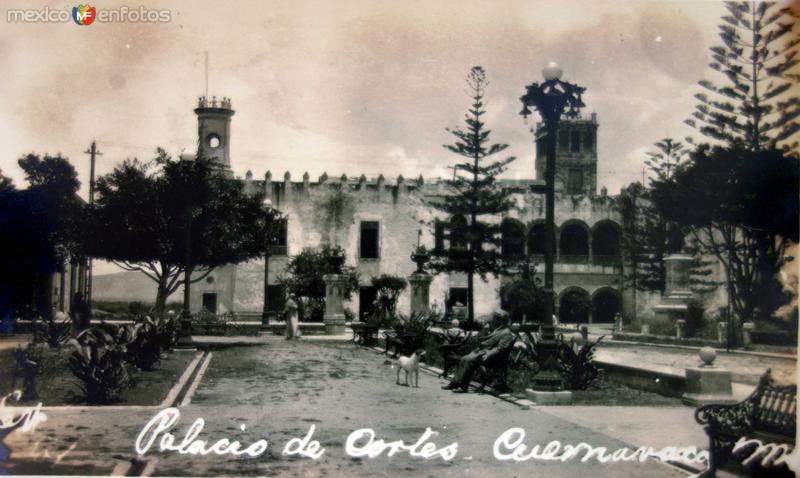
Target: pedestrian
[(292, 320)]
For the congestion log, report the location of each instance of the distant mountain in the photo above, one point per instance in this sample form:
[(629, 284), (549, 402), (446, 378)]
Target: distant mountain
[(126, 286)]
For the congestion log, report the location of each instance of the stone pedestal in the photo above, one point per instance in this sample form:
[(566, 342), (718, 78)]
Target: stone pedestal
[(677, 293), (747, 327), (722, 332), (680, 328), (334, 304), (708, 385), (420, 287)]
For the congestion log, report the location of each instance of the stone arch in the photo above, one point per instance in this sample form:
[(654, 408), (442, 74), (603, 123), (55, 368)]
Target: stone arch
[(537, 238), (512, 244), (606, 303), (573, 239), (574, 305), (606, 236), (458, 231)]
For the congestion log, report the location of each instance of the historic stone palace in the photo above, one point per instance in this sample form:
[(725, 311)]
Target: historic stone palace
[(377, 221)]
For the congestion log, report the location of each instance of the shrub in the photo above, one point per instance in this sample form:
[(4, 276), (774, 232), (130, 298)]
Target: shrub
[(695, 320), (577, 366), (98, 360)]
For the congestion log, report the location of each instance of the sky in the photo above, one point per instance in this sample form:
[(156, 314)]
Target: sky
[(351, 87)]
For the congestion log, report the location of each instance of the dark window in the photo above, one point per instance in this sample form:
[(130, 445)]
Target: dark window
[(457, 295), (513, 239), (575, 142), (276, 298), (279, 245), (438, 235), (370, 240), (605, 240), (210, 302), (563, 140), (458, 232), (588, 140), (605, 305), (283, 233), (541, 148), (366, 300), (575, 181), (536, 240), (574, 241)]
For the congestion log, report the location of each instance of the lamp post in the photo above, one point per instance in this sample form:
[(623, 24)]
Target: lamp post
[(553, 98), (271, 217)]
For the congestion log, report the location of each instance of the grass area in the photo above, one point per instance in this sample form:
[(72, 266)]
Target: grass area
[(57, 385)]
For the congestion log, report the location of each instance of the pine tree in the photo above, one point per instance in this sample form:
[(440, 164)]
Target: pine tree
[(475, 196), (754, 105)]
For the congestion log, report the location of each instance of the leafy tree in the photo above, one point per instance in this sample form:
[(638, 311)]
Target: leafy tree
[(304, 277), (39, 229), (145, 213), (388, 288), (752, 104), (524, 296), (744, 211), (475, 196)]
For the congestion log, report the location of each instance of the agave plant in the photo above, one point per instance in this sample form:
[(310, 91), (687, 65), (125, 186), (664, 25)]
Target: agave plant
[(418, 323), (98, 360), (144, 350), (54, 331), (577, 365)]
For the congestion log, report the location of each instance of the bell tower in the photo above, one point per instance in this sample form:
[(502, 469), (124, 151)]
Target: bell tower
[(576, 156), (214, 130)]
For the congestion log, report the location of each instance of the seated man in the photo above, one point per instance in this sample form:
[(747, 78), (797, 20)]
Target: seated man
[(494, 343)]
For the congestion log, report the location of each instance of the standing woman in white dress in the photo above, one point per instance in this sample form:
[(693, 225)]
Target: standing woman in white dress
[(292, 320)]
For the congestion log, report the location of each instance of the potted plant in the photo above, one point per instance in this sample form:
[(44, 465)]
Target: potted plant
[(420, 256), (336, 258)]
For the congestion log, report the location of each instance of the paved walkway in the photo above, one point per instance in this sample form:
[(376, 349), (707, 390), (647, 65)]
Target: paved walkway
[(279, 389)]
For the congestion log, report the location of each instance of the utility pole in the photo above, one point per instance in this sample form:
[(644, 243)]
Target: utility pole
[(93, 153)]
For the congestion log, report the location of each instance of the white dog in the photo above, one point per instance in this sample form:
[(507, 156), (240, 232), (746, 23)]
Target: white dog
[(410, 365)]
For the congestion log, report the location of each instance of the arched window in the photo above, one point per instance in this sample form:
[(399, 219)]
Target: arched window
[(536, 240), (605, 240), (513, 239), (605, 305), (574, 306), (574, 241), (458, 231)]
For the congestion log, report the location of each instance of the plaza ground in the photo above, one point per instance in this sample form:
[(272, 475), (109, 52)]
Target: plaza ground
[(278, 389)]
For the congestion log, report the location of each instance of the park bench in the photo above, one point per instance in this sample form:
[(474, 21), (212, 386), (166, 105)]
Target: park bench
[(769, 414), (404, 344), (364, 333), (492, 371)]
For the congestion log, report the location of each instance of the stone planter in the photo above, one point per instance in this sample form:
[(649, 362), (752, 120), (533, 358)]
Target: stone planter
[(420, 259)]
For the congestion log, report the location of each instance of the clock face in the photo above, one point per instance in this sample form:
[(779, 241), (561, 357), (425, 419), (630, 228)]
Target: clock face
[(213, 141)]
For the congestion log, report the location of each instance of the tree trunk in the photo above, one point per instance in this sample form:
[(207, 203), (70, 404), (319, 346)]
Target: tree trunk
[(161, 297)]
